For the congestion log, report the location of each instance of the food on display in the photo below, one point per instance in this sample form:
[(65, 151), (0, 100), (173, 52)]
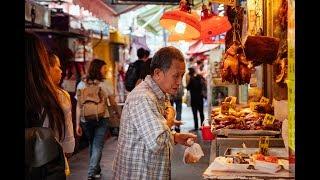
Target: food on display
[(281, 68), (234, 117), (261, 49), (235, 67)]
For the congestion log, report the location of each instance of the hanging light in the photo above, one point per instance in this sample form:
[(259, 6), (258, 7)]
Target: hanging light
[(181, 23), (212, 25), (180, 27), (179, 37)]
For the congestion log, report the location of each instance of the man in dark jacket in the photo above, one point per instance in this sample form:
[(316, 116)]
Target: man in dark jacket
[(136, 70), (195, 87)]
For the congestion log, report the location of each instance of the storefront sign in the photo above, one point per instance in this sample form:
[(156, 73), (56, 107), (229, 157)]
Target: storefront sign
[(226, 2)]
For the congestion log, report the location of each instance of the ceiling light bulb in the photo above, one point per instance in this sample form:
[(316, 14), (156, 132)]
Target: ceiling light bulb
[(180, 27)]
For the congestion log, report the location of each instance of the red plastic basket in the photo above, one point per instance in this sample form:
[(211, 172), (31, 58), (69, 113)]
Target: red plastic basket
[(206, 133)]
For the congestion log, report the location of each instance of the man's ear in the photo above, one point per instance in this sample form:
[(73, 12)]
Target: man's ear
[(156, 73)]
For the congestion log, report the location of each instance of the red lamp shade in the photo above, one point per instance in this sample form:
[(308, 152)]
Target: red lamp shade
[(178, 37), (213, 26), (181, 25)]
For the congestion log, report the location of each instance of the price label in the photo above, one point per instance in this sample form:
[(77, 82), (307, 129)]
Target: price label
[(268, 119), (264, 100), (264, 145), (233, 100), (254, 106)]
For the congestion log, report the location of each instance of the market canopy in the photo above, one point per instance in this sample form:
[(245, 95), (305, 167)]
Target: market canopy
[(105, 10), (199, 47)]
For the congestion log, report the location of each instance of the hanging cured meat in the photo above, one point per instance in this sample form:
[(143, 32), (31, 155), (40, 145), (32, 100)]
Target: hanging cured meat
[(235, 67), (263, 49), (281, 68)]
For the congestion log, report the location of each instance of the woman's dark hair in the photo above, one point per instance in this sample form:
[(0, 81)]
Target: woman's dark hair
[(41, 99), (163, 58), (94, 72)]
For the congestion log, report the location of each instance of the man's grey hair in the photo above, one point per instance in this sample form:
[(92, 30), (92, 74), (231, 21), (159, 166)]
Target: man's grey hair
[(162, 59)]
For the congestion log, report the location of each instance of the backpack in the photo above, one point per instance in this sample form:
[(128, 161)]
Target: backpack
[(132, 75), (44, 158), (92, 101)]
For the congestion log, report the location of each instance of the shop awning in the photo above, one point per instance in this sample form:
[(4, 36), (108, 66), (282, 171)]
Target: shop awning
[(104, 10), (199, 47)]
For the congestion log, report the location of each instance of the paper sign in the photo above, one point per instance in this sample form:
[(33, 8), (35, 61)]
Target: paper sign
[(231, 99), (264, 145), (254, 106), (264, 100), (268, 119)]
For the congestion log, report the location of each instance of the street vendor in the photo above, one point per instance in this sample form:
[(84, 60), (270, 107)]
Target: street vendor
[(145, 140)]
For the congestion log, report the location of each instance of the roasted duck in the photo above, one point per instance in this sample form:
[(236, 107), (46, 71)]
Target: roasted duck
[(235, 66)]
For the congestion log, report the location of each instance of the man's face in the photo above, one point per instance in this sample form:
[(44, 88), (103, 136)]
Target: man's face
[(170, 81)]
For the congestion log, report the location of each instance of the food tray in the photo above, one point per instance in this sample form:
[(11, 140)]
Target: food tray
[(277, 152), (219, 169), (239, 132)]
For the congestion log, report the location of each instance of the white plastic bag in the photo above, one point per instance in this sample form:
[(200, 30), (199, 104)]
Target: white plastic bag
[(193, 153)]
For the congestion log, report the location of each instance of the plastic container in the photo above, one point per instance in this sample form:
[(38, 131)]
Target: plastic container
[(207, 134)]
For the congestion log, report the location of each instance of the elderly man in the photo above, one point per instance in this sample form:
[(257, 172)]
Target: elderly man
[(145, 140)]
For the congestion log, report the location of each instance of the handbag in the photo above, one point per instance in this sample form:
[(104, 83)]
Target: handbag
[(44, 157)]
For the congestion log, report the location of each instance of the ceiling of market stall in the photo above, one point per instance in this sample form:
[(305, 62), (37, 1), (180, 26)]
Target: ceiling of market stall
[(120, 8), (148, 18)]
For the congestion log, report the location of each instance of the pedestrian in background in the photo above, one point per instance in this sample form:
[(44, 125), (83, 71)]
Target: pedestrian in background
[(45, 124), (95, 130), (195, 87)]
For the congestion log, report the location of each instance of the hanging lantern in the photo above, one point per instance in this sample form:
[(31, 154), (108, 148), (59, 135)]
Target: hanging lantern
[(212, 25), (178, 37), (181, 23)]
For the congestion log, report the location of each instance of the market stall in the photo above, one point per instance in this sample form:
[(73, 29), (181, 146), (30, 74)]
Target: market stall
[(255, 65)]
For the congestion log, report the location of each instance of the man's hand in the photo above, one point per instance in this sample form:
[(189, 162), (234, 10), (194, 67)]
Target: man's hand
[(177, 123), (170, 116), (79, 130), (182, 138)]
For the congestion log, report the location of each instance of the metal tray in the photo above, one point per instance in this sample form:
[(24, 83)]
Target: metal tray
[(239, 132), (278, 152)]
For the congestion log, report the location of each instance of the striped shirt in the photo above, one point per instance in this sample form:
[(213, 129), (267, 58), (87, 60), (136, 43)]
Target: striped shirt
[(145, 141)]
